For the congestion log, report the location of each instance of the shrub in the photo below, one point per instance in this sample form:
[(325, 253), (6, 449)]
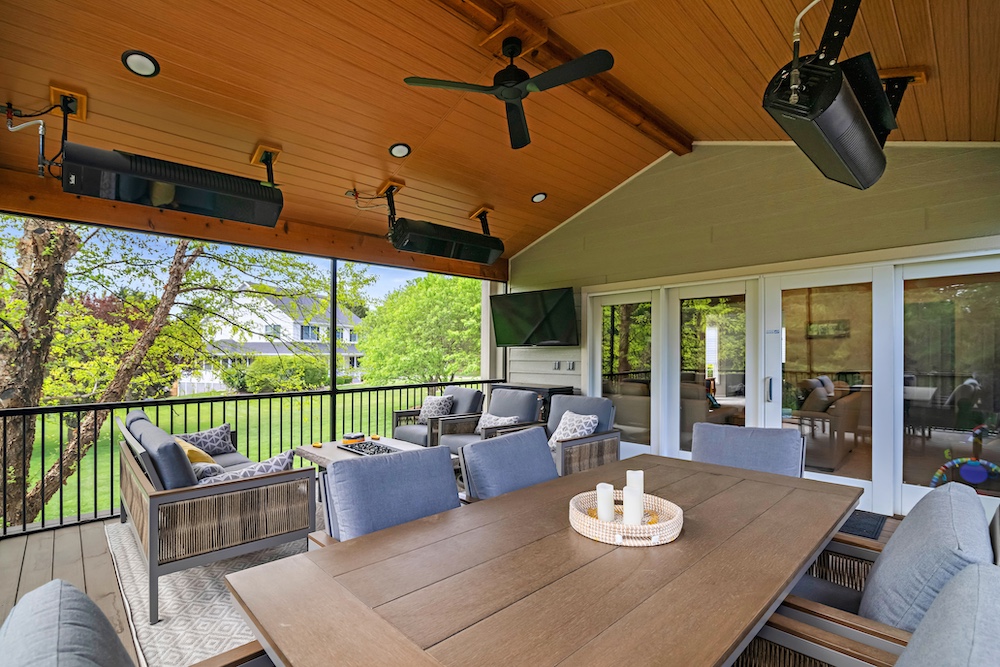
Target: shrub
[(235, 377), (276, 374), (344, 379)]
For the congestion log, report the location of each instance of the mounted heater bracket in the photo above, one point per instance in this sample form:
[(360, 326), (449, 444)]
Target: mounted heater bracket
[(67, 105), (267, 156), (481, 216)]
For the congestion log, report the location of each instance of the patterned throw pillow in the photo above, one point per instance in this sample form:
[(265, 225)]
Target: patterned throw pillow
[(435, 406), (279, 463), (203, 470), (213, 441), (571, 426), (489, 421), (194, 454)]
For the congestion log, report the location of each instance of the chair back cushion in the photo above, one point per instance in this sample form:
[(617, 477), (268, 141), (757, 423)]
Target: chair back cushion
[(465, 400), (777, 450), (515, 403), (945, 532), (168, 459), (581, 405), (375, 492), (507, 463), (962, 626), (57, 624)]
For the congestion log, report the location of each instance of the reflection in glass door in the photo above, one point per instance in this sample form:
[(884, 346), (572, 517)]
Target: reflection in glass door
[(713, 378), (826, 378), (626, 365)]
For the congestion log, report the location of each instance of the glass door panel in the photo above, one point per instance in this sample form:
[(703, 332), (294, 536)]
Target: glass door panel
[(826, 380), (713, 371), (626, 366), (951, 381)]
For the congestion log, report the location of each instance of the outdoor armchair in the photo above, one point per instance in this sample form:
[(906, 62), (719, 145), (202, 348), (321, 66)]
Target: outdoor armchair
[(466, 402), (179, 524), (457, 431)]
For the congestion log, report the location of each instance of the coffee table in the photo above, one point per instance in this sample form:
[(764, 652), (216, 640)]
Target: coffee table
[(329, 452)]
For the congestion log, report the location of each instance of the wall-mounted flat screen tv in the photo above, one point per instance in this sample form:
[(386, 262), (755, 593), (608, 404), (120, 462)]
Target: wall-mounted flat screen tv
[(546, 317)]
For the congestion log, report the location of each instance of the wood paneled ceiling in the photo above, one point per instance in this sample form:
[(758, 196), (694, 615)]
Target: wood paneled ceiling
[(322, 79)]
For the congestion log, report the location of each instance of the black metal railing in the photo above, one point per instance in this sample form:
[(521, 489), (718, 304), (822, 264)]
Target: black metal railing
[(627, 376), (86, 487)]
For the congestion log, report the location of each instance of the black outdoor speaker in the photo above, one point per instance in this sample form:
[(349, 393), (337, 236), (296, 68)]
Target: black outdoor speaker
[(828, 123), (137, 179), (428, 238)]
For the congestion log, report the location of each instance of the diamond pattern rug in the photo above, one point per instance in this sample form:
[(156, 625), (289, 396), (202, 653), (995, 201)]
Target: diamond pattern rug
[(197, 617)]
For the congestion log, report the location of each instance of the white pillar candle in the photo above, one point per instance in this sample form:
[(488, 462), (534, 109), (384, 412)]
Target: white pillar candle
[(634, 478), (605, 502), (632, 506)]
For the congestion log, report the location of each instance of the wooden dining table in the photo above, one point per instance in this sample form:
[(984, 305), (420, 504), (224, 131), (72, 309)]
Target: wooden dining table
[(507, 581)]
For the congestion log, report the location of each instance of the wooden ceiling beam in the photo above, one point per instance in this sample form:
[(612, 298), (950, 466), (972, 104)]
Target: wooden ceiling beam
[(497, 20), (24, 193)]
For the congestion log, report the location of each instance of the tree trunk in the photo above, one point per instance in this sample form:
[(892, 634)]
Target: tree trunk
[(42, 255), (80, 440), (625, 337)]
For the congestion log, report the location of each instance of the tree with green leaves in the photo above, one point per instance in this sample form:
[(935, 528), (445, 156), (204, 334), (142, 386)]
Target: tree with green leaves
[(426, 331), (169, 298)]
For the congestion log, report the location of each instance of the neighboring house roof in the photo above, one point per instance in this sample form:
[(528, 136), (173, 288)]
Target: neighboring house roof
[(228, 346), (299, 308)]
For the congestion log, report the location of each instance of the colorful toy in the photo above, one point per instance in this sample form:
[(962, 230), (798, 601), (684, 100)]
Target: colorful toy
[(972, 470)]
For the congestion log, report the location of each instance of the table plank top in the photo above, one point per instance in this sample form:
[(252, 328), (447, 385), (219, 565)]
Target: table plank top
[(508, 581)]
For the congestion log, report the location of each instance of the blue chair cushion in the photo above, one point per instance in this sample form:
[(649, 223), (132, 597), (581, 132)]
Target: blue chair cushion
[(945, 532), (465, 400), (57, 624), (168, 459), (828, 593), (581, 405), (455, 441), (415, 433), (515, 403), (777, 450), (962, 626), (508, 462), (375, 492), (133, 416), (232, 460)]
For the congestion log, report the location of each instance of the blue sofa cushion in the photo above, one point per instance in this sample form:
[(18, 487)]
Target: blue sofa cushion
[(168, 459), (57, 624), (232, 460), (581, 405), (465, 400), (962, 626), (777, 450), (375, 492), (508, 462), (945, 532)]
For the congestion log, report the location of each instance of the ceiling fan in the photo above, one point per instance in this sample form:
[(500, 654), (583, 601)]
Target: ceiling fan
[(512, 84)]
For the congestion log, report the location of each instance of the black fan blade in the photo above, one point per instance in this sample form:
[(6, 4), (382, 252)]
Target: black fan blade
[(517, 124), (447, 85), (579, 68)]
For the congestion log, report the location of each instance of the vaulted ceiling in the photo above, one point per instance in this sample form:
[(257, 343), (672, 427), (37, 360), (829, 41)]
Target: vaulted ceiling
[(322, 80)]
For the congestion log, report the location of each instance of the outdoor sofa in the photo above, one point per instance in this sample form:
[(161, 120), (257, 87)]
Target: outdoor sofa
[(180, 524)]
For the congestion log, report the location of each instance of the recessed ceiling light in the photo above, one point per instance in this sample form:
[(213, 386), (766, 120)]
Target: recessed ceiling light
[(141, 63), (538, 197), (399, 150)]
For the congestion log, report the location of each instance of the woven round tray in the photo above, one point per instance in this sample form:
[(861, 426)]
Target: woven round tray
[(661, 521)]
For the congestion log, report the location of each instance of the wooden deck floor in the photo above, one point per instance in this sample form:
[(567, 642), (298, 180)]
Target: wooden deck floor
[(77, 554)]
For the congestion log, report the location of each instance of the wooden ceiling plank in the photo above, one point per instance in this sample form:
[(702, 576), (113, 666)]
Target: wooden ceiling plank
[(984, 63), (26, 194), (918, 42), (951, 17)]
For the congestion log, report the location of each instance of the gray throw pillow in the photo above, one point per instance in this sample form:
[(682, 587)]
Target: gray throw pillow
[(944, 533), (203, 470), (486, 420), (572, 426), (435, 406), (212, 441), (279, 463)]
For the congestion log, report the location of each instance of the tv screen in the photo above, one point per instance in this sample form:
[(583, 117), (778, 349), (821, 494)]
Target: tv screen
[(546, 317)]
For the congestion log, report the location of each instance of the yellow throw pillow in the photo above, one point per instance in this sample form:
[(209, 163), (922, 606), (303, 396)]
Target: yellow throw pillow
[(194, 454)]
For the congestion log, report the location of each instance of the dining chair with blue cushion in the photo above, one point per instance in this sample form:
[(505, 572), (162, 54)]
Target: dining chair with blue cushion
[(375, 492), (776, 450), (506, 463)]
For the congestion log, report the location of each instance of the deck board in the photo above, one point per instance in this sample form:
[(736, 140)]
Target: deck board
[(78, 554)]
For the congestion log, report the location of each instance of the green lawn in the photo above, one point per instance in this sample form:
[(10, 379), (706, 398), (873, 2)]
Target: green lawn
[(264, 428)]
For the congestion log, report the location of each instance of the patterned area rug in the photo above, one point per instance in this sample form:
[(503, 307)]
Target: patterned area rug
[(197, 617)]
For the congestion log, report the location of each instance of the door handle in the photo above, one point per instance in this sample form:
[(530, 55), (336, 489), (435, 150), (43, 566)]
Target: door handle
[(769, 389)]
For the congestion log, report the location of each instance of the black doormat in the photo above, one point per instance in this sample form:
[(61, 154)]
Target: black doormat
[(864, 524)]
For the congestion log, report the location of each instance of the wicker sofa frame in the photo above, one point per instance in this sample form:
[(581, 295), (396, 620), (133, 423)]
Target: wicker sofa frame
[(192, 526)]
